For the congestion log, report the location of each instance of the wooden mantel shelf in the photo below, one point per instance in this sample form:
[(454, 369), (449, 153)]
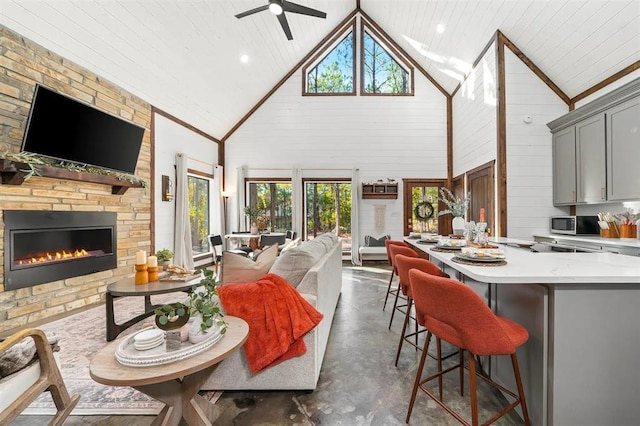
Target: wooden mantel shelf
[(11, 173)]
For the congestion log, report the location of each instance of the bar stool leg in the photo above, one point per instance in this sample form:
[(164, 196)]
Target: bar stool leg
[(388, 290), (472, 389), (416, 384), (523, 402), (461, 362), (439, 359), (395, 303), (404, 328)]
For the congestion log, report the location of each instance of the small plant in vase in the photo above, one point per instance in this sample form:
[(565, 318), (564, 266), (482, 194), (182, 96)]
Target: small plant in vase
[(164, 257), (456, 207), (204, 308), (254, 216)]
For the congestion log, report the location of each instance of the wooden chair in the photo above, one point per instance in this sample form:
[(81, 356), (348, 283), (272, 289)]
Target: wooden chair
[(215, 241), (453, 312), (49, 379)]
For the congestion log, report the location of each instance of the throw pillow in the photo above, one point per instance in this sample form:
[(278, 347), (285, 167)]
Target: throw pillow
[(293, 264), (290, 244), (370, 241), (240, 269)]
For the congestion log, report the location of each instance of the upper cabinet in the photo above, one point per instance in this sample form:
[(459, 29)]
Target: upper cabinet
[(591, 176), (564, 166), (623, 151), (596, 148)]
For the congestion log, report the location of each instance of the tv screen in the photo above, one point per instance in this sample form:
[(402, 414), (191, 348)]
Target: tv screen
[(66, 129)]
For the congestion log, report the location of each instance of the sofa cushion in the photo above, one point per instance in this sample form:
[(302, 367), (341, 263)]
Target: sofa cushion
[(240, 269), (370, 241), (293, 264), (290, 244)]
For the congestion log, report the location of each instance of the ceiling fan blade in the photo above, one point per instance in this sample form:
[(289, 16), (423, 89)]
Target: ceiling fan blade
[(302, 10), (252, 11), (285, 26)]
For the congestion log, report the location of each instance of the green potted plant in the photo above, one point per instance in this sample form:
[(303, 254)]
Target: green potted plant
[(204, 308), (253, 214), (164, 257), (456, 207), (171, 316)]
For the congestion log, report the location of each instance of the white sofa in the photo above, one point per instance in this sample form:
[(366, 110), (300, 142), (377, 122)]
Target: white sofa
[(320, 286)]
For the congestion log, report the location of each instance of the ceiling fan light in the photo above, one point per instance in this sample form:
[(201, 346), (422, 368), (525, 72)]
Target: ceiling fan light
[(275, 7)]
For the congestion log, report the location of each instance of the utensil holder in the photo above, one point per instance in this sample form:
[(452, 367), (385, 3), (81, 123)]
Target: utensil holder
[(612, 232), (142, 275), (628, 230)]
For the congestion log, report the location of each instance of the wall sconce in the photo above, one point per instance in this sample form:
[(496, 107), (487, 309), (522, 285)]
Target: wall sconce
[(167, 188)]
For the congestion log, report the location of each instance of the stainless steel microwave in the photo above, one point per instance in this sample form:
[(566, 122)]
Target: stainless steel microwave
[(575, 225)]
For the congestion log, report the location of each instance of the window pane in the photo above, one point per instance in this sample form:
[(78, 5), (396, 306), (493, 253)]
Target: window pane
[(328, 209), (199, 214), (273, 201), (382, 73), (334, 73)]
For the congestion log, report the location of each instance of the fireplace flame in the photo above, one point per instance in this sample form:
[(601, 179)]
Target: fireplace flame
[(53, 257)]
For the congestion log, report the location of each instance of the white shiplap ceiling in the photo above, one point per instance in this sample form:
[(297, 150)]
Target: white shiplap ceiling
[(184, 56)]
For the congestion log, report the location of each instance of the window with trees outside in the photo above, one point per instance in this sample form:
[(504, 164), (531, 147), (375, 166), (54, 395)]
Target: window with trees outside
[(328, 209), (381, 72), (199, 213), (272, 199), (335, 72)]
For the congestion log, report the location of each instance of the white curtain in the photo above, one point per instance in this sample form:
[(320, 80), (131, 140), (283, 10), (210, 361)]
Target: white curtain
[(182, 234), (242, 174), (217, 203), (355, 226), (296, 215)]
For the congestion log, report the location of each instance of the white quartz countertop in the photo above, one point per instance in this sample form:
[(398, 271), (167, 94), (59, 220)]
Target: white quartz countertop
[(526, 267), (613, 242)]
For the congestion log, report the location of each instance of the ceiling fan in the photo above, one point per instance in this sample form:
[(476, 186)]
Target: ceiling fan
[(279, 7)]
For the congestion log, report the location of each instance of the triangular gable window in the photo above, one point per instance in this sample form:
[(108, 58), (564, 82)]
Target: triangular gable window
[(335, 72), (381, 72)]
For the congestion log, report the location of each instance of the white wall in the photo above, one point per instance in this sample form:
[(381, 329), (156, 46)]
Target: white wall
[(384, 136), (529, 155), (474, 117), (172, 138)]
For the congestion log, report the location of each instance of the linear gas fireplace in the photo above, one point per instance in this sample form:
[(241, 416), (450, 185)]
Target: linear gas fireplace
[(45, 246)]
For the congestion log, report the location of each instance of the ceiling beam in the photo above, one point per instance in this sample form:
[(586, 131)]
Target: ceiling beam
[(628, 70)]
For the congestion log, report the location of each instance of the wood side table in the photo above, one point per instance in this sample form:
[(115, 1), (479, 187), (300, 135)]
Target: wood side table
[(177, 383), (127, 287)]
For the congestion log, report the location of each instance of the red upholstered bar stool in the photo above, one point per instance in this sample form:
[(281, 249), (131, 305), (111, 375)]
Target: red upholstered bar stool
[(453, 312), (388, 243), (404, 264), (394, 250)]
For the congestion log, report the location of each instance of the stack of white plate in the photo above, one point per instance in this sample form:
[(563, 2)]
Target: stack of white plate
[(148, 339)]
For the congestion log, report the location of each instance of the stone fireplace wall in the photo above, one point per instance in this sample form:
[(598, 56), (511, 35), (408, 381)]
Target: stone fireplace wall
[(22, 65)]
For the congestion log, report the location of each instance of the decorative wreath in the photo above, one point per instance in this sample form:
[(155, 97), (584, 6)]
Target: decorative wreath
[(423, 211)]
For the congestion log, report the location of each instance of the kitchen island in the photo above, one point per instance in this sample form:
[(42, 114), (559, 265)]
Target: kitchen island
[(578, 366)]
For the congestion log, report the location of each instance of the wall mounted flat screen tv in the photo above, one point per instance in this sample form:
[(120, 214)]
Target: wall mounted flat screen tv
[(66, 129)]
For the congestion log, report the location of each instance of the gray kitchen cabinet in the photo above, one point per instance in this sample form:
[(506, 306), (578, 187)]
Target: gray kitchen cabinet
[(591, 177), (596, 150), (564, 166), (623, 151)]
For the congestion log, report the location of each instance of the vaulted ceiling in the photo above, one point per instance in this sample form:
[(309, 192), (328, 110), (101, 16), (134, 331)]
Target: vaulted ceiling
[(184, 56)]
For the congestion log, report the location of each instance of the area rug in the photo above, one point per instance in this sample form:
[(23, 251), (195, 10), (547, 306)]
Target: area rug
[(82, 335)]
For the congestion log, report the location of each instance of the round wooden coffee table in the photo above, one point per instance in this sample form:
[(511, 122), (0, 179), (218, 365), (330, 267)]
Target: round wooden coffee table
[(177, 383)]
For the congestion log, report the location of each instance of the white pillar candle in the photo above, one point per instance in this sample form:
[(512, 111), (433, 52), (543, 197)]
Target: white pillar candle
[(141, 257), (152, 261)]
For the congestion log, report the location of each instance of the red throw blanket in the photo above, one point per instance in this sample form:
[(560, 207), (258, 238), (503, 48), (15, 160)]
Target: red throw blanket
[(277, 315)]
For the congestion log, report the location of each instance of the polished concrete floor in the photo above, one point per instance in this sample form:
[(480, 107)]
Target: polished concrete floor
[(359, 383)]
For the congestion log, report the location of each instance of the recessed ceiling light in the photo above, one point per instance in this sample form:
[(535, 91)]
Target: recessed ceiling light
[(440, 28), (244, 59)]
